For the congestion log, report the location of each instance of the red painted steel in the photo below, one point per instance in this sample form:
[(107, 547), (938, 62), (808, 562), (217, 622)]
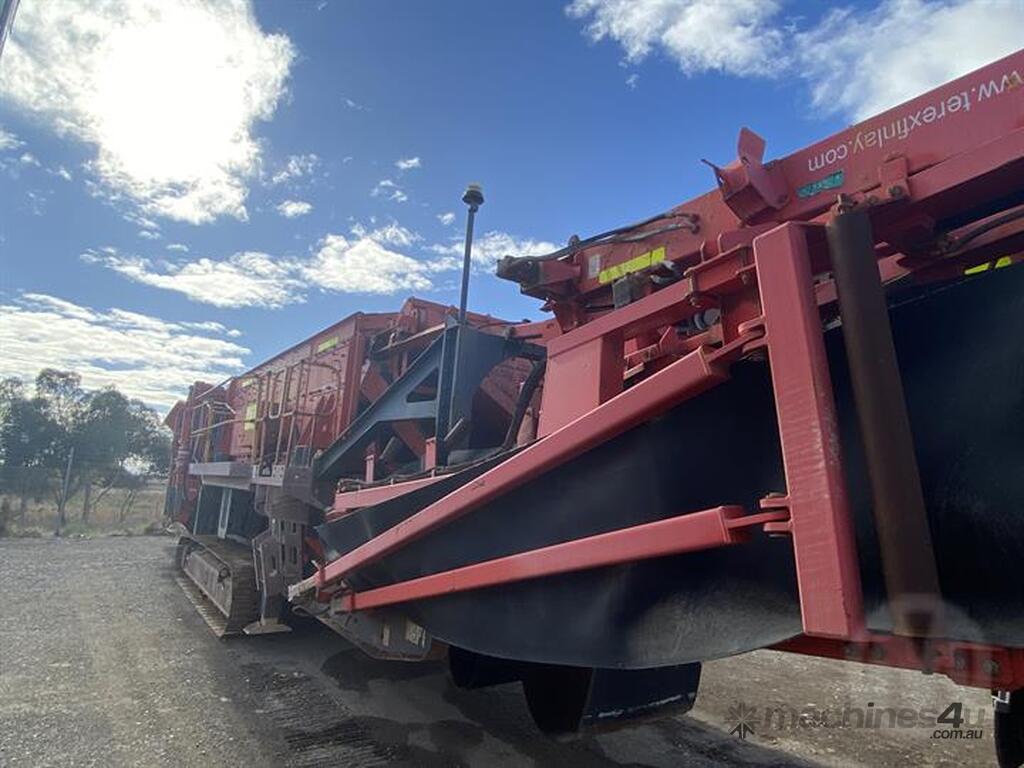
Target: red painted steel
[(685, 378), (691, 532), (750, 251), (974, 664), (820, 521), (377, 494), (952, 134)]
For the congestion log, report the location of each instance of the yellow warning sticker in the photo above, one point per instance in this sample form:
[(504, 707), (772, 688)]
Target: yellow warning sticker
[(1003, 262), (637, 263), (250, 417), (326, 344)]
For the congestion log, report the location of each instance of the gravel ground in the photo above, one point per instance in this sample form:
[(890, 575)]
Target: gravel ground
[(104, 662)]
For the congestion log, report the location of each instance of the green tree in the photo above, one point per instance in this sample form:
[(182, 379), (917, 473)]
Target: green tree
[(66, 440), (115, 438), (31, 441)]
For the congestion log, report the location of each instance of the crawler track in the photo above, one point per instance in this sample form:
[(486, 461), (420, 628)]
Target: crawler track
[(219, 578)]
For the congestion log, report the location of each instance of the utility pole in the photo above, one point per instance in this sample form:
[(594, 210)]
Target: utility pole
[(63, 503)]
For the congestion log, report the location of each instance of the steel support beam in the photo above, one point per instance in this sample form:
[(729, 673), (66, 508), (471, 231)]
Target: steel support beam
[(824, 547)]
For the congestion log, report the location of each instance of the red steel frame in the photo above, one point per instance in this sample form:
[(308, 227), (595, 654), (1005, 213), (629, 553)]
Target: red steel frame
[(706, 529), (762, 279)]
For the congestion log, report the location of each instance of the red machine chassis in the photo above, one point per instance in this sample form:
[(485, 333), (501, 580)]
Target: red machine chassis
[(755, 251)]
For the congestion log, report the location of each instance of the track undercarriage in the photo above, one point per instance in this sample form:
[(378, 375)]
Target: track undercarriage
[(219, 577)]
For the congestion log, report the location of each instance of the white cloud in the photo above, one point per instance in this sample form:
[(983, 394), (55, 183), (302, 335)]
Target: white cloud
[(354, 105), (387, 188), (62, 172), (180, 247), (246, 279), (489, 248), (407, 163), (731, 36), (856, 61), (295, 167), (292, 208), (9, 141), (364, 266), (140, 220), (213, 327), (146, 357), (368, 260), (632, 80), (446, 219), (37, 201), (27, 158), (149, 234), (393, 234), (863, 63), (168, 93)]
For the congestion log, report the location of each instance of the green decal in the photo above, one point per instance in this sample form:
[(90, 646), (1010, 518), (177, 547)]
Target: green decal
[(831, 181)]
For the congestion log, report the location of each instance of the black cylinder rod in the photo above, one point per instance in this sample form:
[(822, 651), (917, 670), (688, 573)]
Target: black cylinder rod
[(904, 537)]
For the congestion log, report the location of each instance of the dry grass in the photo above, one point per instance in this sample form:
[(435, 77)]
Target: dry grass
[(105, 518)]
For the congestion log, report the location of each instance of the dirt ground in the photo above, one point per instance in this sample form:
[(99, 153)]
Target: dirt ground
[(103, 662)]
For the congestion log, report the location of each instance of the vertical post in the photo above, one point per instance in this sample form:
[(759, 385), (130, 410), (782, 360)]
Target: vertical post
[(824, 547), (474, 198), (904, 538), (65, 484)]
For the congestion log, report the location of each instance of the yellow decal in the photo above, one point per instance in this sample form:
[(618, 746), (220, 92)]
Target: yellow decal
[(250, 417), (637, 263), (1003, 262), (326, 344), (248, 382)]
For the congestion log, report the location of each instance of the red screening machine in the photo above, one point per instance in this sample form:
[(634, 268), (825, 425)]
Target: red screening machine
[(786, 414)]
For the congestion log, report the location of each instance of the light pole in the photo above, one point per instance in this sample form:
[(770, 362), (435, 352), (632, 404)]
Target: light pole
[(474, 198)]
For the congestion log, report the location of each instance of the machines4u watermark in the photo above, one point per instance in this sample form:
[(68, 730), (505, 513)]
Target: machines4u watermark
[(954, 721)]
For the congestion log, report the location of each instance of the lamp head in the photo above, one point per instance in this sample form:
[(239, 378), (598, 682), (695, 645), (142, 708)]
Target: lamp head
[(473, 196)]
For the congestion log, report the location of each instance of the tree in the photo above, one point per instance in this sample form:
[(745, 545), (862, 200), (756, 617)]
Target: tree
[(115, 437), (31, 442), (62, 392), (63, 399), (11, 391), (65, 433)]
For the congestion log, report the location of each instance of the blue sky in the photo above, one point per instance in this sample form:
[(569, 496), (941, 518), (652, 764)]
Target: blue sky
[(187, 188)]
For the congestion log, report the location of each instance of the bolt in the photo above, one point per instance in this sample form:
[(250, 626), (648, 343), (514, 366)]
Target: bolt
[(745, 278), (694, 300), (895, 192), (844, 203)]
